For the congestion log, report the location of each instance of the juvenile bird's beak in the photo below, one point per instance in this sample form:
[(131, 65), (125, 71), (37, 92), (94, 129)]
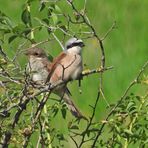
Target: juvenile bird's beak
[(26, 53)]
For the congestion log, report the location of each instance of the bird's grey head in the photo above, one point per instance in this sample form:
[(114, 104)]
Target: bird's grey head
[(73, 42), (36, 52)]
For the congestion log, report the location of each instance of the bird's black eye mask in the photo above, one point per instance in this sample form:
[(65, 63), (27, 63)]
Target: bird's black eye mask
[(81, 44)]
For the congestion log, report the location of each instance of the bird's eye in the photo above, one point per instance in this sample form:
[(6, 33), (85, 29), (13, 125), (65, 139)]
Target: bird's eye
[(36, 53)]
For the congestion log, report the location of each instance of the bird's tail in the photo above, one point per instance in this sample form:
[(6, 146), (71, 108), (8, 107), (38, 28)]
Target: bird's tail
[(70, 104)]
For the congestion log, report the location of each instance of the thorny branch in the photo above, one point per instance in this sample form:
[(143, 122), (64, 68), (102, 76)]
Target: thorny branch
[(25, 97), (86, 21), (37, 116), (135, 81)]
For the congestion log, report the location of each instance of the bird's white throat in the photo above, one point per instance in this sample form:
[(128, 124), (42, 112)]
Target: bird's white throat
[(76, 50)]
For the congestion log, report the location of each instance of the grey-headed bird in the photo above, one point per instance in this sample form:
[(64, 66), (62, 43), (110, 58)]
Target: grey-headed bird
[(65, 67)]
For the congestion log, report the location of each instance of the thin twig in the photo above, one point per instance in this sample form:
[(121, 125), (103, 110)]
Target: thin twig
[(135, 81), (108, 32), (58, 41)]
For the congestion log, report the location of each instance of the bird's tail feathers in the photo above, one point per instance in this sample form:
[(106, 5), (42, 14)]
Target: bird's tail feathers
[(71, 106)]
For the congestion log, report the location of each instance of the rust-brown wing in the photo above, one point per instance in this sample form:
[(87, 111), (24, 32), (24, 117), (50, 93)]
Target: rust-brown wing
[(52, 66)]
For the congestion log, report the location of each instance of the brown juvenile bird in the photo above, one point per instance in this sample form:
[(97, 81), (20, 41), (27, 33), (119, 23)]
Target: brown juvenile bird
[(65, 67)]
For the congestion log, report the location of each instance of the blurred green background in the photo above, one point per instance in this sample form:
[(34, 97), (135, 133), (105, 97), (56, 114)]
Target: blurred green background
[(125, 47)]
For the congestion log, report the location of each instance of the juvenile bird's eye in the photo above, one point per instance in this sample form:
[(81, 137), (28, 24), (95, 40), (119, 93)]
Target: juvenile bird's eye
[(36, 53)]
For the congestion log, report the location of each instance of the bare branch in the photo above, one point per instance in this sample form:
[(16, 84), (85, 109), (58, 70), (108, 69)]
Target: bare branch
[(135, 81), (108, 32), (58, 41)]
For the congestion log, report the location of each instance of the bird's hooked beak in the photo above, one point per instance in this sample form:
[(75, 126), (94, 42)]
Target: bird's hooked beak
[(80, 42)]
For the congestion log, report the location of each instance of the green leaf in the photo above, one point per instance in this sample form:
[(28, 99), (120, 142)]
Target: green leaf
[(26, 17), (46, 21), (55, 110), (50, 57), (2, 14), (4, 30), (130, 105), (74, 127), (63, 111), (26, 31), (12, 38), (57, 9), (88, 133), (138, 98), (77, 16), (127, 131), (133, 110), (146, 141), (60, 136), (51, 7), (29, 1), (50, 10), (7, 21), (3, 33), (42, 6), (63, 27), (59, 22), (118, 129), (54, 18), (1, 41), (19, 28)]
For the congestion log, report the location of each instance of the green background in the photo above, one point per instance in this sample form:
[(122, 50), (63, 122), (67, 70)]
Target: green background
[(125, 48)]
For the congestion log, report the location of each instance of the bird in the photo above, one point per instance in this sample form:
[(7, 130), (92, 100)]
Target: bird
[(37, 65), (67, 66)]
